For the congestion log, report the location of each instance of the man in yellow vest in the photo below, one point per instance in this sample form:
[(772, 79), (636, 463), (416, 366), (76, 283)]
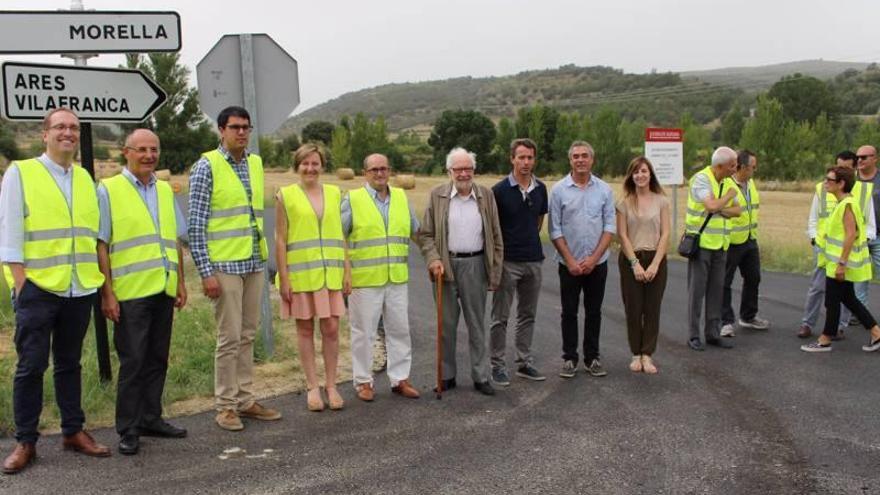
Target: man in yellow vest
[(378, 223), (48, 230), (229, 250), (868, 176), (743, 253), (142, 265), (708, 194)]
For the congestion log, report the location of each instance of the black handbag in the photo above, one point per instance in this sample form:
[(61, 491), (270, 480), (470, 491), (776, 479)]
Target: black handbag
[(689, 245)]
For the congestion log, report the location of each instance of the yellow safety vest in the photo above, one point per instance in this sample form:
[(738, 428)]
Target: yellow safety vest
[(378, 253), (745, 226), (861, 192), (315, 251), (231, 224), (59, 240), (138, 252), (715, 236), (858, 264)]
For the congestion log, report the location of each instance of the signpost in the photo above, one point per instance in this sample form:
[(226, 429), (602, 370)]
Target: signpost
[(95, 94), (664, 148), (254, 72), (81, 31)]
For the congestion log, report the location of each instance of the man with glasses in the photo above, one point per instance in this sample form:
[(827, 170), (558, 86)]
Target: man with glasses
[(460, 238), (378, 223), (229, 250), (822, 206), (142, 263), (48, 235), (582, 222), (867, 174), (522, 203)]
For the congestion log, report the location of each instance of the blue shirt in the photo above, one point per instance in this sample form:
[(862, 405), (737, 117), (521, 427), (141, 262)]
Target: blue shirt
[(201, 186), (151, 199), (381, 204), (518, 213), (13, 211), (581, 216)]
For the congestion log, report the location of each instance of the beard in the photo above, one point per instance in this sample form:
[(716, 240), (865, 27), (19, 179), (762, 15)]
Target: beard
[(463, 184)]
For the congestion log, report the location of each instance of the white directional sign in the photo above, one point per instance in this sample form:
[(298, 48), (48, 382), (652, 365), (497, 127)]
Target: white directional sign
[(663, 147), (96, 94), (62, 31)]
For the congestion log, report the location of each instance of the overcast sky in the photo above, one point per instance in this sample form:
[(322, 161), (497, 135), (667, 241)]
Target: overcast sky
[(344, 46)]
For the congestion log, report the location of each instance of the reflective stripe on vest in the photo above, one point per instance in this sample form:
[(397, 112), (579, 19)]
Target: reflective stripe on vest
[(827, 203), (745, 226), (716, 235), (858, 265), (315, 252), (378, 254), (231, 225), (138, 253), (59, 240)]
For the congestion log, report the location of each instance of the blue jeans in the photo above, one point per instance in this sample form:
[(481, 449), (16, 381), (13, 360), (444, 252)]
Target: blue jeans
[(862, 287)]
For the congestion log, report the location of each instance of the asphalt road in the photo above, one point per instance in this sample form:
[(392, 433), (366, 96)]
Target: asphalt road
[(761, 418)]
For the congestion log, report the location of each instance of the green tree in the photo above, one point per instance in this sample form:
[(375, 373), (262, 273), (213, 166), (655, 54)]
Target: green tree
[(361, 135), (803, 98), (868, 133), (569, 128), (539, 124), (8, 148), (182, 129), (765, 135), (469, 129), (732, 126), (499, 161), (318, 131), (697, 143), (340, 148), (611, 155)]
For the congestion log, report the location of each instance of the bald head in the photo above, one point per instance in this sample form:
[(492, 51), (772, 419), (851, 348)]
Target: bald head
[(867, 161), (141, 152), (376, 170)]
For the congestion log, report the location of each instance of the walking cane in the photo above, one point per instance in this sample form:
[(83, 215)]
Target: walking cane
[(439, 389)]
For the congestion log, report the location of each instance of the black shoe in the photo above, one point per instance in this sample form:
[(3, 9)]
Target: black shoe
[(447, 385), (162, 429), (129, 444), (696, 344), (484, 388), (724, 344)]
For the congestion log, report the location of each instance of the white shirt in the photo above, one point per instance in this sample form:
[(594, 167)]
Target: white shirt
[(465, 223)]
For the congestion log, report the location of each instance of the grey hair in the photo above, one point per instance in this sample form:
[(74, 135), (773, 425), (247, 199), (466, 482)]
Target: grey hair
[(460, 151), (581, 144), (723, 155)]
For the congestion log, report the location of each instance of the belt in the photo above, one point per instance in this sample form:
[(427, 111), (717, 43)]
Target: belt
[(465, 255)]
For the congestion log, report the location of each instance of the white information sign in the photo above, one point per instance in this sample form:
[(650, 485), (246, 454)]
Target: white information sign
[(663, 147)]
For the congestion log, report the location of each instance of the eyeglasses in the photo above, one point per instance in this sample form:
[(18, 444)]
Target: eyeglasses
[(462, 170), (831, 179), (864, 157), (143, 149), (239, 128), (379, 170), (62, 127)]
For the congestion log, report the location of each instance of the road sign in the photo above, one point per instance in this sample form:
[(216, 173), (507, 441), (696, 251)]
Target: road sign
[(96, 94), (664, 148), (64, 31), (241, 63)]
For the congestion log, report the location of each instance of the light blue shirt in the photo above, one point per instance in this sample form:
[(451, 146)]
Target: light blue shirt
[(13, 212), (381, 204), (151, 199), (581, 216)]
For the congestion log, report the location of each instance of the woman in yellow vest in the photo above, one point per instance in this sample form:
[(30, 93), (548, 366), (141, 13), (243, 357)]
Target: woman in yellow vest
[(846, 260), (310, 256)]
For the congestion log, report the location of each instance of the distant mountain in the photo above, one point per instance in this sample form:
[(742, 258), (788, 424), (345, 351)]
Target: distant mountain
[(656, 97)]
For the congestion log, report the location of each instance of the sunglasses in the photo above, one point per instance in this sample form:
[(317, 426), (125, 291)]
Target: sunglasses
[(864, 157), (831, 179)]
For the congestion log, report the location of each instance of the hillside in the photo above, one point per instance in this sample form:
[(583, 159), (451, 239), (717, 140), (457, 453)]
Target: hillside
[(658, 97)]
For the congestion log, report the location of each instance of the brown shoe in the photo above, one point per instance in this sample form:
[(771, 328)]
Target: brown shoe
[(405, 388), (83, 443), (228, 420), (365, 392), (20, 458), (804, 332), (258, 411)]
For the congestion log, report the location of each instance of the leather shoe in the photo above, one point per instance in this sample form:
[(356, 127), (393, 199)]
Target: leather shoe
[(129, 444), (83, 443), (724, 344), (405, 388), (804, 332), (20, 458), (365, 392), (162, 429), (484, 388), (447, 385)]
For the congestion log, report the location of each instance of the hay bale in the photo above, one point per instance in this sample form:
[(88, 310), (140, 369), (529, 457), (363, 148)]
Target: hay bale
[(344, 174), (405, 181), (163, 174)]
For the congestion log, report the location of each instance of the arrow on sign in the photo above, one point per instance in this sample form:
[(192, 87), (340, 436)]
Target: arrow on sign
[(96, 94)]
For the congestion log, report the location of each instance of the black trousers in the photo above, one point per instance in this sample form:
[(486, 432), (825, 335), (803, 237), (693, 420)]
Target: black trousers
[(44, 321), (142, 338), (843, 292), (570, 288), (746, 258)]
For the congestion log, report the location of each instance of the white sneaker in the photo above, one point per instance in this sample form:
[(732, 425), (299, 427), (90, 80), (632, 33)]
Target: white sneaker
[(728, 330), (756, 323)]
